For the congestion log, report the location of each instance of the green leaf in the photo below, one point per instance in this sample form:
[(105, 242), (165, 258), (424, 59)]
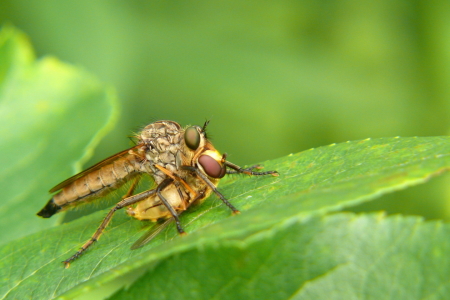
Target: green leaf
[(283, 245), (341, 256), (51, 116), (311, 183)]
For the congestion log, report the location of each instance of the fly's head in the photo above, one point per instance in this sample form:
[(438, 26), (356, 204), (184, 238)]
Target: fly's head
[(201, 154)]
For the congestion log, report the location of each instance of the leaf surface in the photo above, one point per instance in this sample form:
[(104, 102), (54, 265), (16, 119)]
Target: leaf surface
[(340, 256), (311, 183), (51, 117)]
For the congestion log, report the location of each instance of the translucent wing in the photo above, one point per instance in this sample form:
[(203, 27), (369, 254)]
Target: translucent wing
[(95, 167), (151, 233)]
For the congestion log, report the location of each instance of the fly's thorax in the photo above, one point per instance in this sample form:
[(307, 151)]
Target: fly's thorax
[(162, 143), (159, 129)]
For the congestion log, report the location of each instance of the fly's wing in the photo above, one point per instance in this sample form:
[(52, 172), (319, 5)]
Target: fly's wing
[(151, 234), (95, 167)]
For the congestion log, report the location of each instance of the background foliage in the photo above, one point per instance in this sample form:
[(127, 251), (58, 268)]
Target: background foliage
[(274, 77)]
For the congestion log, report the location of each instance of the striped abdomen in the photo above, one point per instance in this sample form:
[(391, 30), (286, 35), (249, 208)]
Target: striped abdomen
[(93, 184)]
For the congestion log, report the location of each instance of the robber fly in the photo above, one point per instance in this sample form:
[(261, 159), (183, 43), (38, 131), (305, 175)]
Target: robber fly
[(184, 164)]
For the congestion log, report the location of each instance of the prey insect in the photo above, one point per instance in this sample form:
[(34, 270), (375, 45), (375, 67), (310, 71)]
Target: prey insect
[(184, 164)]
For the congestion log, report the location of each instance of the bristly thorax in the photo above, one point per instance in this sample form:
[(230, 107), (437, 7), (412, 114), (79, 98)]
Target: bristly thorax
[(163, 143)]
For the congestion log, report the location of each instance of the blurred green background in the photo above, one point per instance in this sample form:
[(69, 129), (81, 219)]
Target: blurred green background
[(274, 77)]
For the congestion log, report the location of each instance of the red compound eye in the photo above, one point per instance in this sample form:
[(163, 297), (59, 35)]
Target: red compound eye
[(212, 167)]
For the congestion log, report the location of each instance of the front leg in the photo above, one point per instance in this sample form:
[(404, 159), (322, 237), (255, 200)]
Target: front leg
[(244, 170), (248, 171)]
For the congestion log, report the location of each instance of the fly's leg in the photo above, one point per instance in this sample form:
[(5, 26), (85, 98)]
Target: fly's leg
[(212, 186), (184, 205), (172, 211), (125, 202), (180, 193), (245, 170), (132, 188), (237, 169), (176, 179), (248, 171), (154, 231)]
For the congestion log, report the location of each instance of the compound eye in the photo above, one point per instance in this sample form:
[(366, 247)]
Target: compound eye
[(212, 167), (192, 138)]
